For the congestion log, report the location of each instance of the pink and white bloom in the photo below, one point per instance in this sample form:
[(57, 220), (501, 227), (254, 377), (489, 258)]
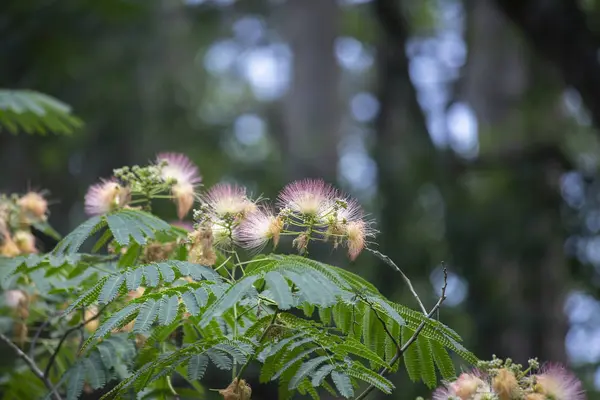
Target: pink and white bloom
[(465, 387), (258, 229), (311, 197), (106, 196), (14, 298), (34, 205), (225, 199), (180, 169), (559, 384)]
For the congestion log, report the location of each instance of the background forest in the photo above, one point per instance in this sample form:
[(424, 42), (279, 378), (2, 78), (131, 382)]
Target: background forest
[(471, 125)]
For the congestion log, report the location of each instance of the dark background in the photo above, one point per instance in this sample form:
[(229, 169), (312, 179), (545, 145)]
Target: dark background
[(468, 128)]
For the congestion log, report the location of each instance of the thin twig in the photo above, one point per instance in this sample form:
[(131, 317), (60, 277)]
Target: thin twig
[(32, 365), (262, 337), (392, 264), (385, 328), (37, 335), (414, 336), (64, 337)]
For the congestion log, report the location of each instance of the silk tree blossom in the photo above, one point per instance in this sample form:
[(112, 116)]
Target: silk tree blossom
[(308, 197), (465, 387), (25, 241), (179, 169), (557, 383), (226, 200), (106, 196), (506, 386), (14, 298), (34, 205), (8, 248), (357, 233), (258, 229)]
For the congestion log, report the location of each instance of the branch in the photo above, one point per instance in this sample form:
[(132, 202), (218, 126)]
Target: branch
[(64, 337), (262, 337), (414, 336), (37, 336), (392, 264), (32, 365)]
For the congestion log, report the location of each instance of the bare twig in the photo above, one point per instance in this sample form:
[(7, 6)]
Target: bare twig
[(38, 332), (64, 337), (392, 264), (414, 336), (32, 365)]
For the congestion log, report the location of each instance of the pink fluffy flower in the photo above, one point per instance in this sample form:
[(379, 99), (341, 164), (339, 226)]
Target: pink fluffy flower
[(347, 224), (179, 168), (258, 228), (559, 384), (105, 196), (466, 387), (311, 197), (225, 199)]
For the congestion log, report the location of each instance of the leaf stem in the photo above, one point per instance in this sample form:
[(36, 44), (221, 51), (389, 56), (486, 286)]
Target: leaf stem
[(392, 264), (400, 350), (32, 365)]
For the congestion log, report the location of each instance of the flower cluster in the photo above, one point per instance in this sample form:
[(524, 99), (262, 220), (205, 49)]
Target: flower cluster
[(503, 380), (309, 210), (139, 185), (17, 215)]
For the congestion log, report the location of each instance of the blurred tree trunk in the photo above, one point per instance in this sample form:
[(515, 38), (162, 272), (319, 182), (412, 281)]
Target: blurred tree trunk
[(311, 108), (505, 229), (406, 161)]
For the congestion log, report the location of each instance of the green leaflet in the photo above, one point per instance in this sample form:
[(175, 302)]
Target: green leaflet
[(343, 384), (147, 315), (73, 241), (197, 366), (94, 370), (168, 309), (411, 356), (306, 369), (321, 373), (35, 112), (280, 289), (442, 360), (426, 359), (359, 371), (75, 381), (116, 320), (124, 225)]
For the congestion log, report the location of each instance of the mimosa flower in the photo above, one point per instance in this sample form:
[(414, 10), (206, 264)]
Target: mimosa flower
[(106, 196), (14, 298), (465, 387), (201, 251), (258, 228), (357, 233), (505, 385), (8, 248), (25, 241), (557, 383), (180, 169), (225, 199), (310, 197), (33, 205)]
